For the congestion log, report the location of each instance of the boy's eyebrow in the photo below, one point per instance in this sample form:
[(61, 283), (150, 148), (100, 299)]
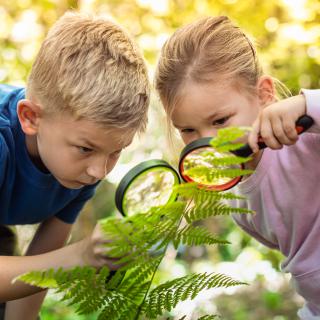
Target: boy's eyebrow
[(89, 143), (94, 146)]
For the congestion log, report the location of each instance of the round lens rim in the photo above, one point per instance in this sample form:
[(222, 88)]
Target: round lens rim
[(134, 173), (198, 144)]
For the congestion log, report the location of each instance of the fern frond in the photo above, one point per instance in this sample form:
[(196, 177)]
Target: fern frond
[(194, 192), (116, 306), (195, 236), (41, 279), (208, 209), (211, 175), (166, 296), (140, 273), (226, 135)]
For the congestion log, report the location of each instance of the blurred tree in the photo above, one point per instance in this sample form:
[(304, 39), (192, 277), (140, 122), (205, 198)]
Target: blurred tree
[(287, 35)]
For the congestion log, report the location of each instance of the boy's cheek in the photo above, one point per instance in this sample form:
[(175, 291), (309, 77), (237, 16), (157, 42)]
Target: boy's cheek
[(111, 165)]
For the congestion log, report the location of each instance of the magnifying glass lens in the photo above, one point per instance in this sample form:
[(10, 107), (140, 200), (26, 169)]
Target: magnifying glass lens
[(153, 187), (206, 166)]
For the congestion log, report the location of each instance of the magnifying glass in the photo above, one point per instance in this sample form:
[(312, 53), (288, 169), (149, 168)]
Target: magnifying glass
[(201, 155), (149, 184)]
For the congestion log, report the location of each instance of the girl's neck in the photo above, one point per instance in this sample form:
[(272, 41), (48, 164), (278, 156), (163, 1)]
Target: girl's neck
[(252, 164)]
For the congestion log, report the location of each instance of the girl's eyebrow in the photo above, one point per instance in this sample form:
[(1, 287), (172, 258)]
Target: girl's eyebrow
[(209, 117)]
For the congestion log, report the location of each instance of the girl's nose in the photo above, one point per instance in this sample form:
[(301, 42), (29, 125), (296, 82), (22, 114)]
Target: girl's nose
[(210, 132)]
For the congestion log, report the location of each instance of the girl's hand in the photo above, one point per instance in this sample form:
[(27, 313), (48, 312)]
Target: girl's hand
[(276, 123), (93, 251)]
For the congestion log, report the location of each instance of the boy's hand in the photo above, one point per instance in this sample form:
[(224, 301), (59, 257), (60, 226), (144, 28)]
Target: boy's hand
[(276, 123), (94, 251)]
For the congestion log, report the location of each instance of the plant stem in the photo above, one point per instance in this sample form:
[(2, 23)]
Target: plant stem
[(156, 269)]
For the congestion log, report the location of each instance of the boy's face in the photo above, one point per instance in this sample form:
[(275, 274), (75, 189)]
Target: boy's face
[(76, 152), (205, 108)]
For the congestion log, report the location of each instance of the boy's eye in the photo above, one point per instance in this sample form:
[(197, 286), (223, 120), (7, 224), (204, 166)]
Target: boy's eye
[(187, 130), (116, 153), (220, 121), (84, 150)]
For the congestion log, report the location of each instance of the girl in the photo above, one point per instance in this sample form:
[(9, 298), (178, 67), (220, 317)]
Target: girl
[(209, 77)]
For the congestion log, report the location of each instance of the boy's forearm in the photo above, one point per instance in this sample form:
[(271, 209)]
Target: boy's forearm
[(11, 267), (26, 308)]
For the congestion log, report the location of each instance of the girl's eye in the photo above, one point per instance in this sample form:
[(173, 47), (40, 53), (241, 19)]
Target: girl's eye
[(84, 150), (187, 130), (220, 121)]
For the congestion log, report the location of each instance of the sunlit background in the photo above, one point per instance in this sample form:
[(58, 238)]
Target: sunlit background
[(287, 35)]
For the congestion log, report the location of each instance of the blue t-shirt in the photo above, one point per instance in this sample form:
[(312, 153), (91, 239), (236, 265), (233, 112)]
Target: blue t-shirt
[(27, 195)]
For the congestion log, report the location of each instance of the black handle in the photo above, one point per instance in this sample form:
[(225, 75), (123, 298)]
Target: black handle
[(302, 124)]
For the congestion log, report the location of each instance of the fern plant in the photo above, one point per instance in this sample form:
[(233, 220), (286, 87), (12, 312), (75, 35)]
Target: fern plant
[(140, 243)]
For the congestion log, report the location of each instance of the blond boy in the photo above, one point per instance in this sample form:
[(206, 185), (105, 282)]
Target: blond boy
[(86, 97)]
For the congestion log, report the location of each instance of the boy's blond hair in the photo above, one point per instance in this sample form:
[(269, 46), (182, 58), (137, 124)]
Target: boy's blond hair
[(90, 67)]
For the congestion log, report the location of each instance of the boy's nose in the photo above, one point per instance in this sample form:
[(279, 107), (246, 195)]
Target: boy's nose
[(98, 171)]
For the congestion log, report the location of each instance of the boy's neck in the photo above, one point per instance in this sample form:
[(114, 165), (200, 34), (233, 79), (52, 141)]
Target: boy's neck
[(32, 149)]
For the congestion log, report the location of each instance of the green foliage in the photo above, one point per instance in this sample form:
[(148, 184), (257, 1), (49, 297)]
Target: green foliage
[(167, 295), (140, 243)]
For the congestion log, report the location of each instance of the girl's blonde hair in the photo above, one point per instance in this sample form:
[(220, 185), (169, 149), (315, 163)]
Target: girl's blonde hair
[(204, 51), (90, 67)]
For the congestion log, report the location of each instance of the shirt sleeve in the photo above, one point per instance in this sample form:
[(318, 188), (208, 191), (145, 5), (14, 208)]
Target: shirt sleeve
[(313, 107), (3, 159), (70, 212)]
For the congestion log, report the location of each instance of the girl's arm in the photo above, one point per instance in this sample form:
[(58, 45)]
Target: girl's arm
[(276, 122), (51, 234)]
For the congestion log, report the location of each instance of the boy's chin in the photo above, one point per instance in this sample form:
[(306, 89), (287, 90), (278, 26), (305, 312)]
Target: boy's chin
[(71, 184)]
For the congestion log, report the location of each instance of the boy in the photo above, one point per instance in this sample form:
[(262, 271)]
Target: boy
[(86, 97)]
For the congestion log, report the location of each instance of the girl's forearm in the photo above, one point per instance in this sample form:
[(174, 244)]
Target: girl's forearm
[(11, 267)]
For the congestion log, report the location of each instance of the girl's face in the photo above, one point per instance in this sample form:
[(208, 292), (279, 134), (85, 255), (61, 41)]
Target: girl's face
[(205, 108)]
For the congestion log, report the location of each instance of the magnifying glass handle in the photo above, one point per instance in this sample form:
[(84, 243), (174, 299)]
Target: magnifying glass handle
[(302, 124)]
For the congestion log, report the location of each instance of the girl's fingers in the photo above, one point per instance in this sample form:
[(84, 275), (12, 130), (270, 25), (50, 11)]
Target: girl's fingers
[(279, 133), (253, 136), (289, 127), (268, 136)]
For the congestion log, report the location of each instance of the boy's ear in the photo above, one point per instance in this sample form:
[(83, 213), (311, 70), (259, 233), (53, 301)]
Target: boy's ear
[(266, 90), (29, 115)]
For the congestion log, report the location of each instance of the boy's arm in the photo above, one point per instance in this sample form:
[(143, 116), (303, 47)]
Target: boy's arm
[(50, 235), (89, 251)]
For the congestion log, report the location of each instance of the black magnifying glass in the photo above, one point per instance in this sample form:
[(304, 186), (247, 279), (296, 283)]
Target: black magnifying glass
[(200, 154), (149, 184)]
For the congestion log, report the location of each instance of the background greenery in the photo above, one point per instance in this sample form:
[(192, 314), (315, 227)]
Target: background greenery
[(287, 34)]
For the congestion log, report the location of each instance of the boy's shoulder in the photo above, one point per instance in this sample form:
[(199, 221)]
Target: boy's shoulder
[(9, 123), (9, 97)]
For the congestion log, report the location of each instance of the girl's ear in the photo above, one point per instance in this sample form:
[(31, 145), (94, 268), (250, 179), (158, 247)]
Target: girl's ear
[(266, 90), (29, 115)]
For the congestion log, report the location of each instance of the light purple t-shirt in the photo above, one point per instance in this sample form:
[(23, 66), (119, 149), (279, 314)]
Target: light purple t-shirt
[(284, 191)]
